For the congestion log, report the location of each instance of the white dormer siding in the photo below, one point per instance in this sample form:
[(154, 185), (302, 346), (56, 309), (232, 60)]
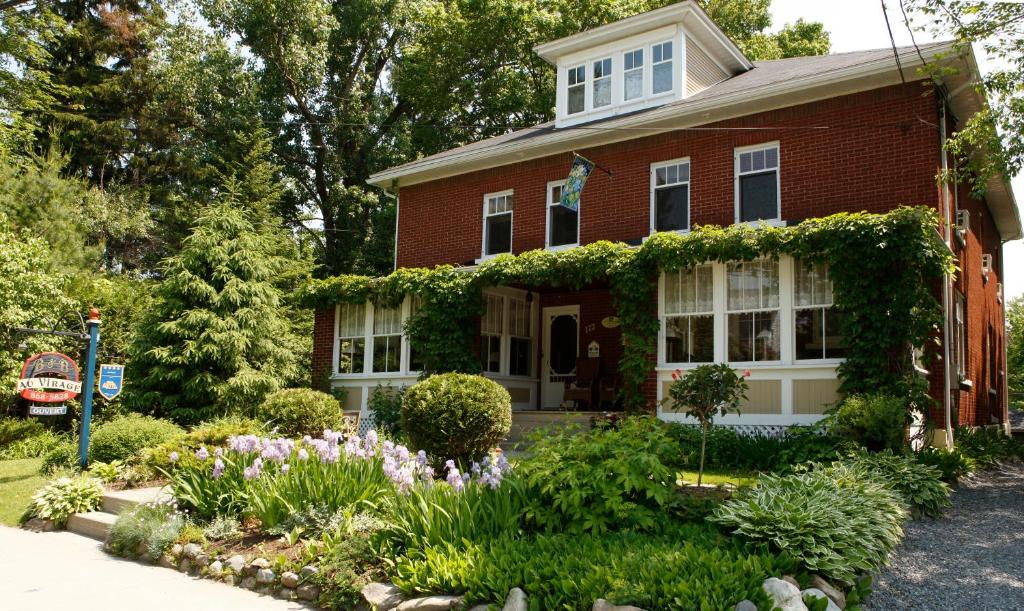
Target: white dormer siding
[(701, 70)]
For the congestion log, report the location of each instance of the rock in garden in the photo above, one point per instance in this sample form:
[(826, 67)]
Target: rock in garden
[(191, 550), (784, 595), (289, 579), (176, 549), (383, 596), (265, 576), (516, 600), (792, 580), (40, 525), (236, 563), (141, 549), (745, 605), (167, 561), (265, 591), (229, 579), (249, 583), (256, 565), (480, 608), (831, 591), (603, 605), (431, 603), (185, 565), (286, 594), (308, 592), (202, 560), (216, 567), (308, 571), (815, 592)]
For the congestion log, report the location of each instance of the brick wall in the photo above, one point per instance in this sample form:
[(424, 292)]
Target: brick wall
[(323, 348)]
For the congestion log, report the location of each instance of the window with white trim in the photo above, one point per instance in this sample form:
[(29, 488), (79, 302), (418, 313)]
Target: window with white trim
[(752, 308), (661, 66), (689, 315), (670, 205), (602, 82), (757, 183), (497, 223), (960, 330), (563, 224), (491, 328), (633, 74), (387, 339), (577, 94), (351, 337), (520, 331), (816, 325)]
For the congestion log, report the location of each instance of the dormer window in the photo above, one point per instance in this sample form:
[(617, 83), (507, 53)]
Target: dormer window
[(602, 82), (577, 89), (661, 60), (633, 74)]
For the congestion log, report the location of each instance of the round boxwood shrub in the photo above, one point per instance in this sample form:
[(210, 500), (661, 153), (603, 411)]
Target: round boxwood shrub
[(456, 415), (125, 436), (300, 411), (875, 421)]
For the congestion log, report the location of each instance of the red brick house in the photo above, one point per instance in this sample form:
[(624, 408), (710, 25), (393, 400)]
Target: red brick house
[(693, 133)]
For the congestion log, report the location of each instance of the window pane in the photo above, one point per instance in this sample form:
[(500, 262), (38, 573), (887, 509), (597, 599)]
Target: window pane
[(602, 67), (752, 285), (519, 318), (563, 225), (808, 326), (834, 346), (499, 234), (754, 336), (386, 353), (673, 299), (576, 98), (634, 84), (672, 208), (490, 353), (602, 92), (386, 320), (519, 356), (351, 355), (759, 197), (663, 77), (351, 319), (690, 339), (490, 322), (812, 284)]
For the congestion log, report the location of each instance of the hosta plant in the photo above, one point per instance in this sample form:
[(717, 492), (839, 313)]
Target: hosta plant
[(920, 486), (65, 496)]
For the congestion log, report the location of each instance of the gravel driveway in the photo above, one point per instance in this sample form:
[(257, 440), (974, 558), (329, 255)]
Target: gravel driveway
[(972, 559)]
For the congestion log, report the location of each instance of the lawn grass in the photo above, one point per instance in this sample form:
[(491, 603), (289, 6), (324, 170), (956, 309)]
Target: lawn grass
[(717, 478), (18, 480)]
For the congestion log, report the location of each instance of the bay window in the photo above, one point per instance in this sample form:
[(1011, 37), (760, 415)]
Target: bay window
[(816, 325), (689, 315), (577, 93), (497, 223), (602, 82), (757, 183), (633, 74), (661, 63), (752, 307), (563, 224), (351, 337), (670, 197), (490, 334)]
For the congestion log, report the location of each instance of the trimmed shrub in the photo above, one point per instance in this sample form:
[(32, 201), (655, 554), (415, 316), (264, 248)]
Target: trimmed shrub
[(17, 429), (836, 521), (212, 434), (295, 412), (146, 530), (456, 415), (63, 497), (920, 486), (875, 421), (951, 464), (728, 450), (124, 437)]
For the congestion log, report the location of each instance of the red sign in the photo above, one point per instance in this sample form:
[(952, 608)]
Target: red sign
[(49, 377)]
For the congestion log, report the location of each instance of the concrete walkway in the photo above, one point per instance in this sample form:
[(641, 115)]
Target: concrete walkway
[(62, 570)]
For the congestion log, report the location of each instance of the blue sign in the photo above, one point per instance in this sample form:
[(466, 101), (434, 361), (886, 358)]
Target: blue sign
[(578, 174), (111, 380)]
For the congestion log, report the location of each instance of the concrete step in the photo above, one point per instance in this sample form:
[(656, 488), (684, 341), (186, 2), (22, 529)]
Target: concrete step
[(93, 524), (116, 501)]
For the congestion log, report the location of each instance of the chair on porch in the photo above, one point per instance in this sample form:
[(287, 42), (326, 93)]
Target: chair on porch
[(583, 389), (608, 391)]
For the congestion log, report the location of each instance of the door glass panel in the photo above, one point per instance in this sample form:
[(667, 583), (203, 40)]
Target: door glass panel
[(563, 344)]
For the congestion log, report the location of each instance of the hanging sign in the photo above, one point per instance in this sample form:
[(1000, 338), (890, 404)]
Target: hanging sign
[(111, 380), (49, 377)]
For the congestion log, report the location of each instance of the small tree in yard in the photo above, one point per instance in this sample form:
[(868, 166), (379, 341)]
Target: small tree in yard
[(705, 392)]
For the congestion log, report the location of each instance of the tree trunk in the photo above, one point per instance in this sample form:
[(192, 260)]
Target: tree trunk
[(703, 444)]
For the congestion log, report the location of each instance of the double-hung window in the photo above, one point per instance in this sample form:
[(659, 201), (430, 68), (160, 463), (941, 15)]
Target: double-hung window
[(816, 325), (577, 93), (752, 308), (497, 223), (490, 334), (416, 362), (661, 66), (959, 307), (757, 183), (563, 224), (351, 337), (671, 196), (602, 82), (689, 315), (633, 74), (520, 345), (387, 339)]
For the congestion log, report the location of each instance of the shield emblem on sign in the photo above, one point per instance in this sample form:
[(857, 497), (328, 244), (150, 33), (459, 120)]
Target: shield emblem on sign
[(111, 380)]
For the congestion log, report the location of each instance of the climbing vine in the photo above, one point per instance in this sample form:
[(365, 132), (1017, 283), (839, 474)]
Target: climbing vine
[(883, 268)]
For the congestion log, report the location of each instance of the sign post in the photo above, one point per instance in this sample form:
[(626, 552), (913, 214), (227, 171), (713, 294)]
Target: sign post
[(90, 371)]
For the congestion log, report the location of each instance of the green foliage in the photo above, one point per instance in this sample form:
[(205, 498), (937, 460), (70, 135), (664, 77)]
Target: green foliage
[(35, 446), (63, 497), (126, 436), (987, 446), (17, 429), (149, 527), (876, 421), (456, 416), (210, 434), (920, 486), (688, 567), (63, 455), (222, 528), (385, 404), (836, 521), (602, 479), (1015, 348), (295, 412), (105, 471), (951, 464), (349, 562), (728, 450), (705, 392)]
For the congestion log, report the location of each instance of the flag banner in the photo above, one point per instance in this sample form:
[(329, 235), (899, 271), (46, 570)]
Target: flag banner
[(578, 174), (111, 380)]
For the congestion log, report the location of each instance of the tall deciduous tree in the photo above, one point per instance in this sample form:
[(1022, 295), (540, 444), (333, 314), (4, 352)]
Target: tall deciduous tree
[(1015, 349)]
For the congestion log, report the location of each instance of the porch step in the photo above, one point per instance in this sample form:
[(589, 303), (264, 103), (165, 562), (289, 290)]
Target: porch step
[(116, 501), (92, 524)]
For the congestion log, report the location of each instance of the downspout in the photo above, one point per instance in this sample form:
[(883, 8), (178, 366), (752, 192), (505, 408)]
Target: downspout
[(394, 196), (1004, 391), (947, 283)]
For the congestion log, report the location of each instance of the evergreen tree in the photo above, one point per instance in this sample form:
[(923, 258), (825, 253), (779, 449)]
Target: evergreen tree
[(212, 343)]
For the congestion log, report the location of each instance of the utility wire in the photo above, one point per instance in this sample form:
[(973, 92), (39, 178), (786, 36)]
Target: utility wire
[(892, 40)]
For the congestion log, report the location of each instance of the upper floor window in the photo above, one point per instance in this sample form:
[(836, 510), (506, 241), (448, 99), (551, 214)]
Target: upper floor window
[(633, 74), (670, 197), (689, 315), (387, 339), (816, 325), (351, 337), (490, 334), (563, 224), (752, 305), (577, 97), (661, 62), (757, 183), (497, 223), (602, 82)]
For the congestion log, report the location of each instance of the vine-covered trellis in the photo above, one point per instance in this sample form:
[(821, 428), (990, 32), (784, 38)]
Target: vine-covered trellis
[(884, 270)]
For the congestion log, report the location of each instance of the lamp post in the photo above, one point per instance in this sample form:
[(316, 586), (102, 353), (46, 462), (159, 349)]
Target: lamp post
[(93, 325)]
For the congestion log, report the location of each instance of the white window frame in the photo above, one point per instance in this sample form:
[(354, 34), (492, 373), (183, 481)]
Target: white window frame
[(672, 70), (373, 335), (818, 305), (511, 222), (499, 335), (547, 218), (625, 73), (652, 211), (779, 309), (338, 339), (585, 84), (665, 315), (604, 77), (737, 152), (505, 296), (531, 336)]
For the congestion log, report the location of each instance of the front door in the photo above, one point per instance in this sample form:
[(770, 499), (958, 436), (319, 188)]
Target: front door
[(561, 327)]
